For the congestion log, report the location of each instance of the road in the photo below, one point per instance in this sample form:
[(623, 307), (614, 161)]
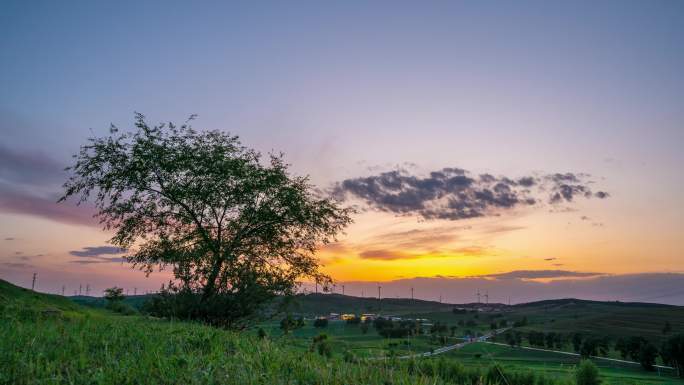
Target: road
[(577, 355), (448, 348), (487, 336)]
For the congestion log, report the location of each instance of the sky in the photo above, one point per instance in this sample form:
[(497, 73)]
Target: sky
[(524, 149)]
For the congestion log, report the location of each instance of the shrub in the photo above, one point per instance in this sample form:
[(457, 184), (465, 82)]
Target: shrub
[(290, 323), (261, 333), (673, 353), (647, 356), (321, 345), (587, 373), (120, 307), (320, 323)]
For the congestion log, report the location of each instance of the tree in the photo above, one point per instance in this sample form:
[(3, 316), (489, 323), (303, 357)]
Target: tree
[(589, 347), (634, 344), (647, 356), (672, 353), (576, 342), (452, 330), (587, 373), (667, 328), (621, 345), (235, 230), (114, 294)]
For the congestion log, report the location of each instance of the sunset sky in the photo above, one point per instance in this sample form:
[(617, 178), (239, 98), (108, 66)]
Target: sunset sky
[(526, 149)]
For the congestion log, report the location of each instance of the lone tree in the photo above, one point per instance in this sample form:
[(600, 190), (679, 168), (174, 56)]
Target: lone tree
[(114, 294), (235, 230)]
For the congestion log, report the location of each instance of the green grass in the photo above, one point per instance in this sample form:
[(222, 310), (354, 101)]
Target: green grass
[(47, 339), (558, 365), (345, 337), (71, 344)]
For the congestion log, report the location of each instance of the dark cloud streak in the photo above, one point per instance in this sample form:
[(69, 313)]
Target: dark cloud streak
[(541, 274)]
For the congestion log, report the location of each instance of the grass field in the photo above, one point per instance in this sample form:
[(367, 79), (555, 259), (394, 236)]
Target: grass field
[(50, 340), (47, 339)]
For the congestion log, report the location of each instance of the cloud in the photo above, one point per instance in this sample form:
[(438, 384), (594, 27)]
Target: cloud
[(540, 274), (99, 260), (96, 254), (645, 287), (389, 255), (10, 239), (454, 193), (385, 255), (29, 167), (416, 238), (30, 185), (14, 201), (550, 259), (96, 251), (17, 265)]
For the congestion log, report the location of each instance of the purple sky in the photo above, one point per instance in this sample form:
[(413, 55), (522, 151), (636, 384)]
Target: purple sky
[(358, 95)]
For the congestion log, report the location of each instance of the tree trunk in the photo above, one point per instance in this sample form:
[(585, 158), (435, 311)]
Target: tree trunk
[(210, 287)]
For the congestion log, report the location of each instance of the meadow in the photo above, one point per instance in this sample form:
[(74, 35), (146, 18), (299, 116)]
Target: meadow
[(49, 339)]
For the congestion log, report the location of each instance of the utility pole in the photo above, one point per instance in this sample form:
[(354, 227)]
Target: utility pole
[(63, 288), (316, 287), (80, 289), (88, 289), (411, 294), (440, 298), (487, 297), (342, 289), (33, 284), (478, 295), (379, 299), (135, 291), (362, 294)]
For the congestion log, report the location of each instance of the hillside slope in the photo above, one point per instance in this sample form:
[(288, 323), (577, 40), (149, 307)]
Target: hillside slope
[(93, 346)]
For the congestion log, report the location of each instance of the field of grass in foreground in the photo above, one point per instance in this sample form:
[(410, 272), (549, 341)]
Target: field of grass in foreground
[(49, 340)]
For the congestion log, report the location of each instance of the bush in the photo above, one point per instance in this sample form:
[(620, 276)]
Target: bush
[(320, 323), (120, 307), (227, 310), (261, 333), (587, 373), (321, 345), (290, 323), (647, 356)]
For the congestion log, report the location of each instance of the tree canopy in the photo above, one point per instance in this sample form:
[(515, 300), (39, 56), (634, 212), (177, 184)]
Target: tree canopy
[(223, 219)]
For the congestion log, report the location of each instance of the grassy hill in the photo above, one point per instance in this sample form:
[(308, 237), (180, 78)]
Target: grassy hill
[(612, 319), (27, 303), (47, 339), (316, 304)]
